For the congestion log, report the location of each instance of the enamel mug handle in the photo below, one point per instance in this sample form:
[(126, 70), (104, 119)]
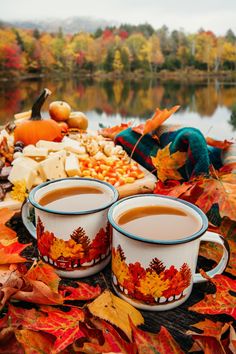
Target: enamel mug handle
[(213, 237), (25, 214)]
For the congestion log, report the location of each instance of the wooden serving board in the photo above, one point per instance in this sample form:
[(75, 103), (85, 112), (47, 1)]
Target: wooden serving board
[(142, 185)]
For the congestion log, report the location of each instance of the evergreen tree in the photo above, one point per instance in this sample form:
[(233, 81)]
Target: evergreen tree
[(79, 236), (157, 266), (230, 36)]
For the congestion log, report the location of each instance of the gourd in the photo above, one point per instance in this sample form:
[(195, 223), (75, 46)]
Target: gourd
[(78, 120), (35, 128)]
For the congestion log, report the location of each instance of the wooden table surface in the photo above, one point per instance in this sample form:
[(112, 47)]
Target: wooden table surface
[(177, 321)]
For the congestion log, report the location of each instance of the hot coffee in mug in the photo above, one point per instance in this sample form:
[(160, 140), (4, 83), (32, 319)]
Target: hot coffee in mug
[(155, 247), (156, 222), (73, 233)]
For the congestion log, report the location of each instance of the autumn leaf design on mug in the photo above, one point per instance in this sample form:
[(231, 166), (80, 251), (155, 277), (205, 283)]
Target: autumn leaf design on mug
[(153, 285)]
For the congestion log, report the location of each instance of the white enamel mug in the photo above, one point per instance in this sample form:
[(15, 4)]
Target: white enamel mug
[(77, 244), (158, 274)]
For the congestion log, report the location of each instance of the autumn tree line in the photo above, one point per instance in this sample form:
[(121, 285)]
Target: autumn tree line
[(119, 50)]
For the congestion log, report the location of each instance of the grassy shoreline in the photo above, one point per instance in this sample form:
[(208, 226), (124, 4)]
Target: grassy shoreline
[(179, 75)]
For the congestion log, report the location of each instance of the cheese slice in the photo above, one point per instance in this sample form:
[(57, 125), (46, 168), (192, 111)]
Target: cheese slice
[(38, 180), (23, 160), (22, 172), (72, 166), (73, 146), (52, 168), (50, 145), (61, 153), (32, 151)]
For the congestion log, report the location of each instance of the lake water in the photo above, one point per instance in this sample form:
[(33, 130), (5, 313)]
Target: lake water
[(205, 105)]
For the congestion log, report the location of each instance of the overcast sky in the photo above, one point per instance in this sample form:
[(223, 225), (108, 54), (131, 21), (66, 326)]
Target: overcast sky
[(190, 15)]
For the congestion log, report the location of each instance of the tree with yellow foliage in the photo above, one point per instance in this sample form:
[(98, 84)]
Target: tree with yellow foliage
[(153, 284), (205, 49), (117, 63)]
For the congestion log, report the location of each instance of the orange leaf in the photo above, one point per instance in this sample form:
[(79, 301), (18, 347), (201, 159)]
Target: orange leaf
[(6, 233), (113, 131), (5, 215), (139, 128), (34, 342), (214, 251), (157, 119), (207, 345), (218, 144), (211, 250), (113, 342), (63, 325), (11, 253), (210, 339), (222, 302), (221, 191), (167, 164), (38, 293), (232, 336), (231, 267), (45, 273), (150, 343), (38, 287), (172, 188), (41, 285), (210, 328), (83, 291)]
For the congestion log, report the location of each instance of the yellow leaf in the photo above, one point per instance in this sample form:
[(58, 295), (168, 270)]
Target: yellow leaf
[(167, 164), (115, 310)]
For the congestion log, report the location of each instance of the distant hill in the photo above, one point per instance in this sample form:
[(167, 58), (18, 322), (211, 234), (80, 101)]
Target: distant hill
[(69, 25)]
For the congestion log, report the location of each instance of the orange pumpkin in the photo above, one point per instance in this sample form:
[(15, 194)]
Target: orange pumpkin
[(34, 129), (64, 127)]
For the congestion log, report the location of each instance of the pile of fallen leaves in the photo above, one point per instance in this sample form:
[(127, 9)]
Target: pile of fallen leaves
[(39, 313)]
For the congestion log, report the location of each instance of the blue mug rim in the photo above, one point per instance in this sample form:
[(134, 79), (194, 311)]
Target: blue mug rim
[(190, 238), (31, 196)]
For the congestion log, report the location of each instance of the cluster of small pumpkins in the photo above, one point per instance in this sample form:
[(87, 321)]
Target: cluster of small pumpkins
[(33, 128)]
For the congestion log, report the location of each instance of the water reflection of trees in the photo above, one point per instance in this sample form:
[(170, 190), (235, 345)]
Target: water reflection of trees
[(128, 98)]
